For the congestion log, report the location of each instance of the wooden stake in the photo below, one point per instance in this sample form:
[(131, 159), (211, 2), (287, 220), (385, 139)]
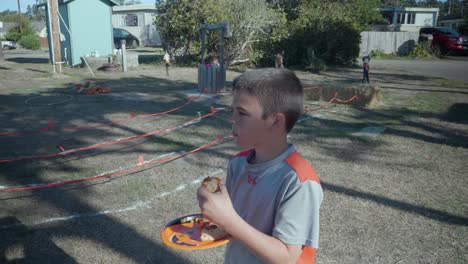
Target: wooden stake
[(55, 36)]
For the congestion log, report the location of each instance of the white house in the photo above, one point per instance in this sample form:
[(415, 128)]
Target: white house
[(138, 20), (409, 19)]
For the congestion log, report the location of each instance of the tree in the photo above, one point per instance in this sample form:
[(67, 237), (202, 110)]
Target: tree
[(26, 37), (329, 31), (252, 21), (29, 12), (178, 22)]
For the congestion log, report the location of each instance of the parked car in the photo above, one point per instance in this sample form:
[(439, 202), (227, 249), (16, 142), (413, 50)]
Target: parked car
[(444, 40), (131, 40), (6, 44)]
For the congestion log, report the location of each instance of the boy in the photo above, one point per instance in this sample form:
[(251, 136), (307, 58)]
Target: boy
[(270, 204), (167, 61), (365, 68), (279, 58)]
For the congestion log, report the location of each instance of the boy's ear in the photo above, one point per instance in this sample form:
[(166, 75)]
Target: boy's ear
[(279, 120)]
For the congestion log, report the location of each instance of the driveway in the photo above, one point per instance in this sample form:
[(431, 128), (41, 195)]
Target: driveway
[(455, 70)]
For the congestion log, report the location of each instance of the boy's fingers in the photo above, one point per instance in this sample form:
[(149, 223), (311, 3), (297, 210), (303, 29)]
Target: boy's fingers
[(222, 188)]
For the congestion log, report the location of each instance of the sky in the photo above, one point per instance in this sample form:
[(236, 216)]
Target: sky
[(13, 4)]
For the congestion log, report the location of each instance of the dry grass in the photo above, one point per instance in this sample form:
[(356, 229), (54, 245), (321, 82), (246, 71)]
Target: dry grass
[(368, 95), (397, 198)]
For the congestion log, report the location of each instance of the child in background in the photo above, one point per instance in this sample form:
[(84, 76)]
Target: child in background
[(279, 60), (167, 61), (271, 202), (365, 68)]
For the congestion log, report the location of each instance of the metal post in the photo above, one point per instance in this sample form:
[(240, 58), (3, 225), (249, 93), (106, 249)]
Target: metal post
[(124, 55)]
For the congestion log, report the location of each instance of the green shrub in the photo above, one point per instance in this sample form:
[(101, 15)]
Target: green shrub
[(378, 53), (13, 36), (30, 42), (420, 51), (314, 63)]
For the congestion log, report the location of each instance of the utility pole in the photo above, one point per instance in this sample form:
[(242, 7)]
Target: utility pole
[(20, 22), (57, 58)]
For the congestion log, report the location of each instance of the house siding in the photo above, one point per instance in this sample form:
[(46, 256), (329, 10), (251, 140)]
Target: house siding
[(90, 24), (146, 31)]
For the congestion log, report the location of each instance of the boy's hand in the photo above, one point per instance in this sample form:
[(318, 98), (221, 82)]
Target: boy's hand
[(216, 207)]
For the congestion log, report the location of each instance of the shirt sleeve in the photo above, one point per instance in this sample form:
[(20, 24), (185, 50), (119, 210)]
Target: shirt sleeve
[(297, 219)]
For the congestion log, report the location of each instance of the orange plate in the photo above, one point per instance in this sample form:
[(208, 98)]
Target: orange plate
[(186, 236)]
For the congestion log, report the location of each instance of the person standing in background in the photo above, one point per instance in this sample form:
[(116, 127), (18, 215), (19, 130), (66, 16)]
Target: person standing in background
[(167, 61)]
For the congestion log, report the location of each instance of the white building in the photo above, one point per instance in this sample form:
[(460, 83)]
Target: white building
[(409, 19), (138, 20)]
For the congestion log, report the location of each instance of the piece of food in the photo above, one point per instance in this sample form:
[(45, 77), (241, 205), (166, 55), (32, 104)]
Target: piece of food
[(212, 183), (212, 232)]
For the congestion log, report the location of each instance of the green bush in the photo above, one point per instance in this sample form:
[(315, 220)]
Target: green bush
[(30, 42), (13, 36), (420, 51), (378, 53), (314, 63)]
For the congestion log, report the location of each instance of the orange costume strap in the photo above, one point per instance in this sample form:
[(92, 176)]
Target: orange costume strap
[(307, 256)]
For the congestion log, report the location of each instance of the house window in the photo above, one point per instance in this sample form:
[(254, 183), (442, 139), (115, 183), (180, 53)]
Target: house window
[(401, 18), (411, 18), (132, 20)]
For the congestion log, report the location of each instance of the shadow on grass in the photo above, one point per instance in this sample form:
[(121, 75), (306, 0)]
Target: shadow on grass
[(108, 231), (430, 213), (29, 60), (423, 90), (457, 113), (156, 95)]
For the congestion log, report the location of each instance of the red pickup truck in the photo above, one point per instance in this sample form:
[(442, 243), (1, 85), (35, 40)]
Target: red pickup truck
[(444, 40)]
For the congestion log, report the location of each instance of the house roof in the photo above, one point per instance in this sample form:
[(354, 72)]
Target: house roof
[(139, 7), (110, 2), (410, 9), (7, 25)]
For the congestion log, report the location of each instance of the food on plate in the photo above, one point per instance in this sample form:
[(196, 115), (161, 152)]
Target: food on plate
[(211, 232)]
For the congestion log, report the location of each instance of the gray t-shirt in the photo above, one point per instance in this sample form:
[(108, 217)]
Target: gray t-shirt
[(280, 198)]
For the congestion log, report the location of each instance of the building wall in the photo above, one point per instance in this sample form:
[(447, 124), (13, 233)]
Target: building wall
[(91, 29), (146, 31), (409, 28), (389, 42), (425, 19), (65, 40)]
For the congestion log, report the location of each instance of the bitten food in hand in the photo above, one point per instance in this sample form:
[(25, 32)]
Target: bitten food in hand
[(211, 183)]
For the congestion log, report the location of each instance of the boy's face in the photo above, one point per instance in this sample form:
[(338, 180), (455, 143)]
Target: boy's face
[(248, 127)]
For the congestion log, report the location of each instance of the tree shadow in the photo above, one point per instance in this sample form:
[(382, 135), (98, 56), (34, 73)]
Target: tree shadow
[(424, 90), (41, 249), (156, 95), (430, 213), (457, 113), (29, 60)]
